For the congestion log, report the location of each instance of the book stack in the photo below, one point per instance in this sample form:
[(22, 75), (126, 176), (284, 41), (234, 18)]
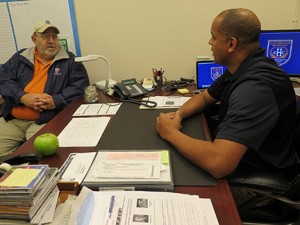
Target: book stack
[(27, 193)]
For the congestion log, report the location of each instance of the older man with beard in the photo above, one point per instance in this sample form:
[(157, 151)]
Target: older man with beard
[(36, 83)]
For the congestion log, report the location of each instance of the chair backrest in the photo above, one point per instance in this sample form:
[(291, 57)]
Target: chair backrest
[(297, 138), (297, 133), (1, 103)]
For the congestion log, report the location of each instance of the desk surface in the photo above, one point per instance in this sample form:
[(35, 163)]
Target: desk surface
[(134, 129), (220, 195)]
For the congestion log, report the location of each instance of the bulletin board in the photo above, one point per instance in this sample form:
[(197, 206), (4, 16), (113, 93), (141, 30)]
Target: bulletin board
[(17, 19)]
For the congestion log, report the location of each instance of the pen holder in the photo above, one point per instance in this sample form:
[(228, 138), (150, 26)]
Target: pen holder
[(159, 79), (158, 76), (91, 94)]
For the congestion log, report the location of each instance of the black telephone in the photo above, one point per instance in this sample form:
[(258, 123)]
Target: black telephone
[(130, 88)]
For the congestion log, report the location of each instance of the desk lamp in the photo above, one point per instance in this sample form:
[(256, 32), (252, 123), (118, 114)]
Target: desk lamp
[(103, 84)]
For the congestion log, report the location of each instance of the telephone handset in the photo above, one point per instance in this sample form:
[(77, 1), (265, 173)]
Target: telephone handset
[(130, 88)]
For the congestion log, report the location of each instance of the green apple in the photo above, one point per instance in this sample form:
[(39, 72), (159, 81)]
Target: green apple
[(46, 144)]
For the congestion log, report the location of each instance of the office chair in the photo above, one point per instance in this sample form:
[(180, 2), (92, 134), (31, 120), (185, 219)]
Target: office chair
[(1, 103), (281, 197)]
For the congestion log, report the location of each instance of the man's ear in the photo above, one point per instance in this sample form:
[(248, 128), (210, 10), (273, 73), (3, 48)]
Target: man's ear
[(233, 43), (33, 38)]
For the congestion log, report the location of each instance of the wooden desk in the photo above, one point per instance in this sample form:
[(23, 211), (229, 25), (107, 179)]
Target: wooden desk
[(222, 199)]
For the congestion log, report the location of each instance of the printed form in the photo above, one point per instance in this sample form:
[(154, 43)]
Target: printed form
[(126, 165), (83, 132), (97, 109)]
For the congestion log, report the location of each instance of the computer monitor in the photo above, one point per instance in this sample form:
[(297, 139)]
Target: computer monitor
[(284, 47), (207, 72)]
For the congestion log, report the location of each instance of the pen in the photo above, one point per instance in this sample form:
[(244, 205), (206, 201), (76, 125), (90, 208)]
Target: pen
[(161, 71), (154, 71)]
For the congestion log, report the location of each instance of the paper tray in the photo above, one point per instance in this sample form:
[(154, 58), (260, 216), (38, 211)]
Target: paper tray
[(164, 183)]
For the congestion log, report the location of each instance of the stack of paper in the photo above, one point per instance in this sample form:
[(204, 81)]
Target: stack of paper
[(28, 193), (152, 208)]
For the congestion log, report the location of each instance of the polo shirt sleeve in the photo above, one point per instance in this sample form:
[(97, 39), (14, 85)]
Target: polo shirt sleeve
[(252, 112), (217, 87)]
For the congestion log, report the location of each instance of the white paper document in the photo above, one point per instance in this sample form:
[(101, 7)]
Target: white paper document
[(166, 101), (63, 211), (46, 212), (7, 44), (83, 132), (97, 109), (128, 165), (139, 208), (76, 166)]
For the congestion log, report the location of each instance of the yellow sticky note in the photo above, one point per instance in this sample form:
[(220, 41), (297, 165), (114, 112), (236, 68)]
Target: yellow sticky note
[(21, 177), (183, 91), (164, 157)]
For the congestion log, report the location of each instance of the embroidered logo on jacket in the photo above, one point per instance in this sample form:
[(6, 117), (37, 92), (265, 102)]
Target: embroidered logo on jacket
[(57, 72)]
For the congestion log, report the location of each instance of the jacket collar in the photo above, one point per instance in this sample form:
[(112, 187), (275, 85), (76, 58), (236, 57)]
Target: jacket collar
[(29, 54)]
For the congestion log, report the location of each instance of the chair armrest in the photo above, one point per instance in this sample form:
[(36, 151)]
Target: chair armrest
[(260, 181), (1, 103)]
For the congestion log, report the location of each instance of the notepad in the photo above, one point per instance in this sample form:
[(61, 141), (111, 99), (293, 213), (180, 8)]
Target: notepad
[(21, 177)]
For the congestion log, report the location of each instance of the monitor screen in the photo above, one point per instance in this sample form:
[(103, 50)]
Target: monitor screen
[(284, 47), (207, 72)]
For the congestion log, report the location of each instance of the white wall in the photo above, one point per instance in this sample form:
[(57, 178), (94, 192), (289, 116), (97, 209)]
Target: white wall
[(136, 35)]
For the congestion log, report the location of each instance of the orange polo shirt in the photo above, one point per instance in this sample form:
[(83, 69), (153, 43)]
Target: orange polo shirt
[(36, 85)]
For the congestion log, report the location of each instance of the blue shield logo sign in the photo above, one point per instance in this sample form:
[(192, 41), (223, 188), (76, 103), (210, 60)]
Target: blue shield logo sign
[(280, 50), (216, 72)]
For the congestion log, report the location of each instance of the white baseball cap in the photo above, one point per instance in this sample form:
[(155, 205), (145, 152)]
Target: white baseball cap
[(43, 25)]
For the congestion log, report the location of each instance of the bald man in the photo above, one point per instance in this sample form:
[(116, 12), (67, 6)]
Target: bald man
[(257, 105)]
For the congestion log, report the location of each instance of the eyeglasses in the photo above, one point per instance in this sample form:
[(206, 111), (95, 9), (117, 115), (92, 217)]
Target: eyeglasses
[(47, 36)]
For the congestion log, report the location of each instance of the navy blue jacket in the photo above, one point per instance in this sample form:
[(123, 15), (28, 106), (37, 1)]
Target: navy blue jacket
[(66, 81)]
